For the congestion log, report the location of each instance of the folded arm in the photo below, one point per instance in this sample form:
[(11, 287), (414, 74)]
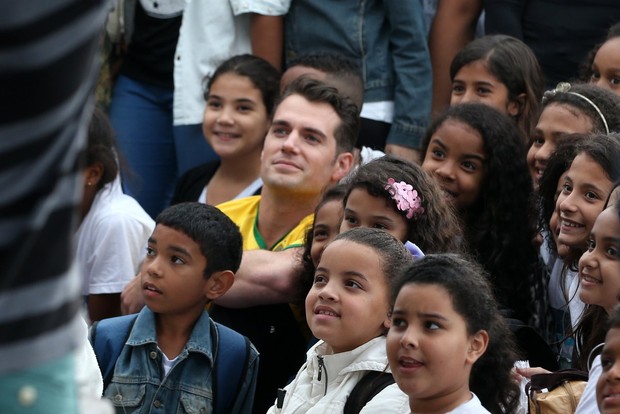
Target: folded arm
[(265, 277)]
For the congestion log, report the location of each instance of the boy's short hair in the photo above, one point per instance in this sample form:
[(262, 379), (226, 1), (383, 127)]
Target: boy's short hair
[(341, 72), (218, 238), (317, 91)]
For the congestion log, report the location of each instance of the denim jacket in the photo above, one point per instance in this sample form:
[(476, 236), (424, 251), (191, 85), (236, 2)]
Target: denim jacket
[(388, 40), (138, 385)]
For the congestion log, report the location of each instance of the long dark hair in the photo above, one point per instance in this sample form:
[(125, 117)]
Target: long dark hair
[(515, 65), (500, 226)]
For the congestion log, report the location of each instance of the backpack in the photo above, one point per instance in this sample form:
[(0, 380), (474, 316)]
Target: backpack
[(365, 390), (108, 337), (557, 392)]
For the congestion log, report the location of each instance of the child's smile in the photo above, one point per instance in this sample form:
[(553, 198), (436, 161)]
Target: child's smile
[(347, 305)]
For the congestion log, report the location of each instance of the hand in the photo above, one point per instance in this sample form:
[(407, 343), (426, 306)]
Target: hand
[(409, 154), (528, 372), (132, 300)]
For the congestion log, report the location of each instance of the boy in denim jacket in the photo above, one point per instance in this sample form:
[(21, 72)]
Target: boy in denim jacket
[(167, 361)]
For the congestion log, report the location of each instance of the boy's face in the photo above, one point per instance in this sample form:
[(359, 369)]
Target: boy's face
[(608, 385), (172, 273)]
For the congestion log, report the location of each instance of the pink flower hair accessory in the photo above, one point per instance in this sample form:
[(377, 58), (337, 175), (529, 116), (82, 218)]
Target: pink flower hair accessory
[(406, 198)]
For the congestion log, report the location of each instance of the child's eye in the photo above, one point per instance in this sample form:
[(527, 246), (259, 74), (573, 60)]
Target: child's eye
[(177, 260), (214, 104), (319, 235), (431, 325), (483, 91), (615, 81), (595, 75), (567, 189), (150, 251), (470, 166), (591, 195), (244, 108), (353, 284), (612, 251), (352, 220), (590, 244), (607, 363), (398, 323), (537, 140), (380, 226), (438, 154), (319, 279), (457, 89)]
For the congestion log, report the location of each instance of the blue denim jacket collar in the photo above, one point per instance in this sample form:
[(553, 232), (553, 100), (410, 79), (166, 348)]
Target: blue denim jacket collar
[(144, 332)]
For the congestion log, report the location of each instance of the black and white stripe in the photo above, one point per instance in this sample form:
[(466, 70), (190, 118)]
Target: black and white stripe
[(48, 66)]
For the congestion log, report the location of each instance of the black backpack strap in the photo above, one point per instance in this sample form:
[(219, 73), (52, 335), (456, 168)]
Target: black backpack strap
[(554, 379), (365, 390), (230, 349)]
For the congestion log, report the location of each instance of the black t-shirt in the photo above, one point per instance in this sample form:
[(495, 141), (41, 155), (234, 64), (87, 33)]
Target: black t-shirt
[(560, 32), (150, 56)]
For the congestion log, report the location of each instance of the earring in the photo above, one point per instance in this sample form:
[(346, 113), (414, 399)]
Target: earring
[(89, 184)]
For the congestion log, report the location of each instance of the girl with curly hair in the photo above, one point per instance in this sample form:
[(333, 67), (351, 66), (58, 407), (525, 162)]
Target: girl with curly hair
[(477, 156), (401, 198), (448, 346)]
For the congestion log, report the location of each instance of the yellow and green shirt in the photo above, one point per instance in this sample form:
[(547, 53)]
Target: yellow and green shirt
[(244, 212)]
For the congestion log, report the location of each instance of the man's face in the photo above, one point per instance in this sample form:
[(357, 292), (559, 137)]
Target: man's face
[(299, 155)]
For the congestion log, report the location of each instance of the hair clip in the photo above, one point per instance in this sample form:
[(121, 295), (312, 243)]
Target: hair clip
[(406, 198), (560, 87)]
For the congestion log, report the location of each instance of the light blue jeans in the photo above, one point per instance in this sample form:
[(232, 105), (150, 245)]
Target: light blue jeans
[(155, 152)]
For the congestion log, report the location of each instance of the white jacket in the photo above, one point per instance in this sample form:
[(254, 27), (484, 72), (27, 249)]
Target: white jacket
[(339, 374)]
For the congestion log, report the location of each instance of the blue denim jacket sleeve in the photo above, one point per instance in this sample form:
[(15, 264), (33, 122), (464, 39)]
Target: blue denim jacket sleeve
[(412, 67)]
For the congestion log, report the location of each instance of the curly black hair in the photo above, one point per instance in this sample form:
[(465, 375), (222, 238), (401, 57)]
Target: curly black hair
[(501, 225), (437, 230)]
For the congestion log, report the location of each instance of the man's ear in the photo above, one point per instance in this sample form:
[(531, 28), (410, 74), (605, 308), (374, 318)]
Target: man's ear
[(218, 284), (515, 107), (342, 166), (478, 343)]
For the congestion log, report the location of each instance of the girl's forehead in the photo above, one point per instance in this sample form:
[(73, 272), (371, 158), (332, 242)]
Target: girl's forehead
[(574, 110)]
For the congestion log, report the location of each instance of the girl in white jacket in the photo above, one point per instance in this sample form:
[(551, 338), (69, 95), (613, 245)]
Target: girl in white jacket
[(347, 309)]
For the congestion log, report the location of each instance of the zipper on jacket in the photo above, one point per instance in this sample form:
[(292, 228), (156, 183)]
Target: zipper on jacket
[(321, 368)]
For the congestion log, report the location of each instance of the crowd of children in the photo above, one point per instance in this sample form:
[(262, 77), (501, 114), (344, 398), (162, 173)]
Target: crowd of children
[(411, 282)]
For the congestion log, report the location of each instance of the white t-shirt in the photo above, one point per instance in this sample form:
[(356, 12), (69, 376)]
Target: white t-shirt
[(246, 192), (473, 406), (211, 32), (111, 240), (587, 402)]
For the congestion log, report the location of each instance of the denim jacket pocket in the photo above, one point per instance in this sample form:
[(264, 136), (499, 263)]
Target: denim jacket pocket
[(128, 396), (194, 404)]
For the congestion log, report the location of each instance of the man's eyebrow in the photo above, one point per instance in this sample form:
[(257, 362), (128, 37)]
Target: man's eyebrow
[(281, 122)]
